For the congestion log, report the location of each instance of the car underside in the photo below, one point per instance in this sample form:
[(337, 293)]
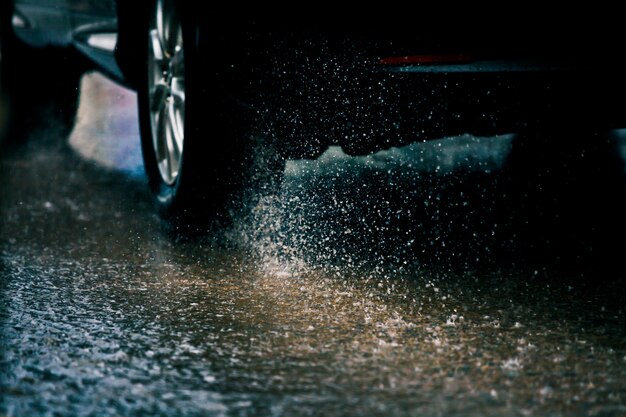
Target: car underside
[(364, 83)]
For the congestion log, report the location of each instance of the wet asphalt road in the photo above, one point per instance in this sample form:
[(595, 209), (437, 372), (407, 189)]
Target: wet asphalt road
[(407, 283)]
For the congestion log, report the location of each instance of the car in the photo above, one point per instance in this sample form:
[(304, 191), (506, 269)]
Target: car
[(225, 97)]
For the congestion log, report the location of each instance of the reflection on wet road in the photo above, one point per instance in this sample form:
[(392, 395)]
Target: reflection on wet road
[(395, 284)]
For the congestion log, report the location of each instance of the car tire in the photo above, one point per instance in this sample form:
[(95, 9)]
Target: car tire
[(198, 148), (36, 84)]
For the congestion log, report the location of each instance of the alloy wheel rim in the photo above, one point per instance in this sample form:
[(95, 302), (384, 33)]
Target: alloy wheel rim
[(166, 89)]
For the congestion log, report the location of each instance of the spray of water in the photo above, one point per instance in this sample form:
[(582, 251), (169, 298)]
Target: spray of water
[(343, 215)]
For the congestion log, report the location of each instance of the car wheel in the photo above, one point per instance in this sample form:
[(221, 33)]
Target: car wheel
[(36, 84), (197, 144)]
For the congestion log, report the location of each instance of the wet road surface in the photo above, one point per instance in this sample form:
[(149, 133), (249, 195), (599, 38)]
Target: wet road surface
[(405, 283)]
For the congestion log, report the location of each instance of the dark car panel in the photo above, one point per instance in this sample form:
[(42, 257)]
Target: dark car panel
[(88, 25), (43, 23)]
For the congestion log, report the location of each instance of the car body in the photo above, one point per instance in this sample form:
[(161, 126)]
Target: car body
[(378, 80)]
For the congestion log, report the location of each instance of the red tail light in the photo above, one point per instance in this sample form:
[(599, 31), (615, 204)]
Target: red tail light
[(426, 59)]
